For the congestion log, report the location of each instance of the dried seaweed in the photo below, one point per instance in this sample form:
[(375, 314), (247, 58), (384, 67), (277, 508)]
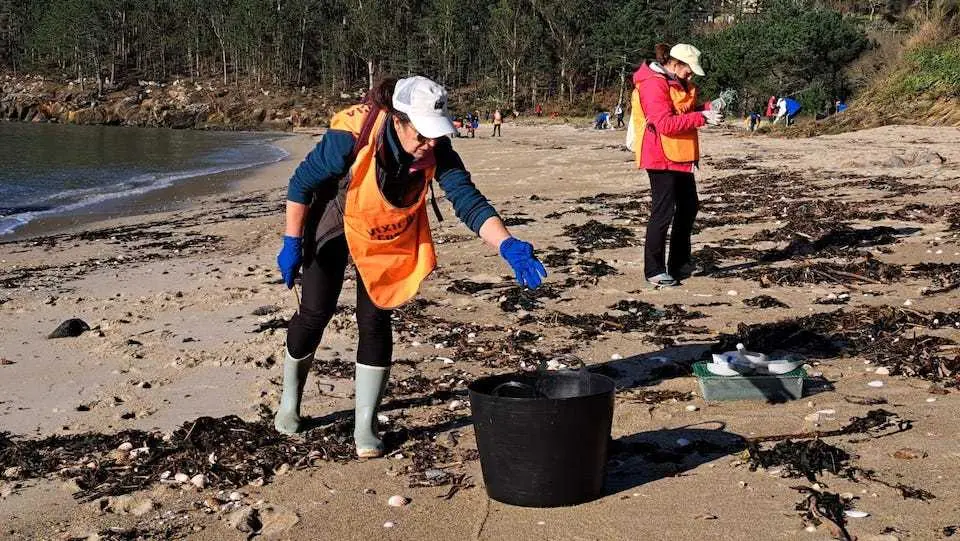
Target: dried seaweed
[(876, 333), (807, 458), (765, 301), (594, 235), (469, 287)]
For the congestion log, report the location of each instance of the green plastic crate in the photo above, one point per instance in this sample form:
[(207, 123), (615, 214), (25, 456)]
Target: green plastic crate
[(772, 387)]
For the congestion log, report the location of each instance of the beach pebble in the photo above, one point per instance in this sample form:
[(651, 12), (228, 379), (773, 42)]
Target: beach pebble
[(199, 480), (244, 519), (165, 475), (732, 292), (382, 418), (283, 469), (931, 399), (70, 328), (181, 478), (389, 524), (882, 371), (691, 407), (125, 446), (235, 496), (811, 528), (616, 357), (853, 513), (907, 302), (13, 472), (398, 501), (455, 405), (875, 383)]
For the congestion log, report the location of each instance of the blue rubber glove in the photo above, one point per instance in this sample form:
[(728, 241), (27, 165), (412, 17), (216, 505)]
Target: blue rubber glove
[(290, 258), (527, 268)]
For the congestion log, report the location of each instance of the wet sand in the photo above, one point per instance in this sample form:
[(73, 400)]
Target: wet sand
[(171, 295)]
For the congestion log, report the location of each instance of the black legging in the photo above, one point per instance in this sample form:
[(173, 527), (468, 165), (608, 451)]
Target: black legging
[(675, 201), (321, 285)]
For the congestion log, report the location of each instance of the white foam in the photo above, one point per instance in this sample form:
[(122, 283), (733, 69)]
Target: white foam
[(138, 185)]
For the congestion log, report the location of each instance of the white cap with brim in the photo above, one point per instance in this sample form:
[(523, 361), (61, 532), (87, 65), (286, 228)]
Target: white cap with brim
[(689, 55), (425, 102)]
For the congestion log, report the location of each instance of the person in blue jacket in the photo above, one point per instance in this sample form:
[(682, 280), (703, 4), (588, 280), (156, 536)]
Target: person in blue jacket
[(787, 109), (416, 131)]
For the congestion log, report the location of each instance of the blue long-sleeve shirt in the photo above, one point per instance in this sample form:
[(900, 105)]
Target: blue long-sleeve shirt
[(330, 160)]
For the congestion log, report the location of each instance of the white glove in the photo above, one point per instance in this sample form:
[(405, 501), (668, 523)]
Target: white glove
[(714, 118)]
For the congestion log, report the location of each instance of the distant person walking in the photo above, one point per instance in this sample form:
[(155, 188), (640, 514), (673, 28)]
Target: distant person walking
[(619, 112), (666, 122), (497, 121), (539, 109)]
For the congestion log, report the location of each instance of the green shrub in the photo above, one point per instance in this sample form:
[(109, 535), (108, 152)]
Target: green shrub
[(933, 68)]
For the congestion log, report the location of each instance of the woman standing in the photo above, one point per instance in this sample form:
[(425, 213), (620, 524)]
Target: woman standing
[(668, 116), (363, 192)]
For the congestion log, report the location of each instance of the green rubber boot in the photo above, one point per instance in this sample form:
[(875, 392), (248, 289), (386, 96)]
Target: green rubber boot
[(371, 381), (287, 420)]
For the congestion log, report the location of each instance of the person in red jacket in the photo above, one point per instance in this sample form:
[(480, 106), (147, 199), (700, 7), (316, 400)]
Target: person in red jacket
[(668, 117)]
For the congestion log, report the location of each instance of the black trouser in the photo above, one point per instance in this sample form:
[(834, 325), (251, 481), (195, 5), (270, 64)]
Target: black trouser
[(321, 284), (674, 201), (619, 119), (496, 130)]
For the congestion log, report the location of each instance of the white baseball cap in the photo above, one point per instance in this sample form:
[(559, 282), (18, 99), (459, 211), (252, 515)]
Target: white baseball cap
[(425, 102), (689, 55)]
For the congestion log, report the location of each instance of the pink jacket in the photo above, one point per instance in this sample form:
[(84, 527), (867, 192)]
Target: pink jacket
[(654, 91)]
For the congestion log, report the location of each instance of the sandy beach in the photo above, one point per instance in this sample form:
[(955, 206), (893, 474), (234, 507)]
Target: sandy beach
[(187, 320)]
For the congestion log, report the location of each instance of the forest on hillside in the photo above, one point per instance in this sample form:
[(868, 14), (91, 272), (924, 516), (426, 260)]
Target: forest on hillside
[(515, 52)]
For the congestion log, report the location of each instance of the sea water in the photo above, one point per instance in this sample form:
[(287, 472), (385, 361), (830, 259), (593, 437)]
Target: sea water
[(50, 169)]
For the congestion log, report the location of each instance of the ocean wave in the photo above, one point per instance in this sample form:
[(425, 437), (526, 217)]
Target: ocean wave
[(12, 218)]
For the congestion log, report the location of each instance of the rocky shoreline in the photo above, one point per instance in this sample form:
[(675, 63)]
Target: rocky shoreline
[(180, 104)]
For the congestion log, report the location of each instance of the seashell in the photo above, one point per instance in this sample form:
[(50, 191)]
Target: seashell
[(853, 513), (398, 501)]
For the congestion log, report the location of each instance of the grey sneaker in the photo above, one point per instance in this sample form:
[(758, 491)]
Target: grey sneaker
[(662, 280)]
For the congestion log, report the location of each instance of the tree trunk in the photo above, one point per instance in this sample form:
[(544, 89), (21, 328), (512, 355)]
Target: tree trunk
[(513, 86), (563, 76), (370, 72), (596, 77), (223, 56), (623, 77), (303, 39)]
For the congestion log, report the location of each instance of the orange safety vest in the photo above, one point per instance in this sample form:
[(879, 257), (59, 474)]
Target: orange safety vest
[(391, 247), (680, 148)]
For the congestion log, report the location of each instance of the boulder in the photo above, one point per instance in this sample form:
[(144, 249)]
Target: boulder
[(70, 328)]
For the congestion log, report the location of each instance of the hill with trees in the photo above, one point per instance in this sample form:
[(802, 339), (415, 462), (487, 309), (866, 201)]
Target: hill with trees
[(215, 62)]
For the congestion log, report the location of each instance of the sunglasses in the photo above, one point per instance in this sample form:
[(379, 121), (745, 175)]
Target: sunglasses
[(423, 140)]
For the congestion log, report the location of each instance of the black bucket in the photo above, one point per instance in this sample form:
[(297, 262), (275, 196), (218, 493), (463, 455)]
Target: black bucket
[(543, 437)]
